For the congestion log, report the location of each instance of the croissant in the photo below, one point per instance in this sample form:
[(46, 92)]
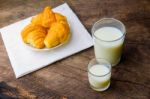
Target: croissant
[(27, 30), (48, 17), (45, 19), (36, 38), (58, 33), (34, 35)]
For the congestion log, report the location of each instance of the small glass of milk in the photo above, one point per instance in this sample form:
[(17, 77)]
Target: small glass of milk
[(99, 74), (108, 35)]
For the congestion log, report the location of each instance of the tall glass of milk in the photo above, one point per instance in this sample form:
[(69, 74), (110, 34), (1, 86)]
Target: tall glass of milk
[(99, 74), (108, 35)]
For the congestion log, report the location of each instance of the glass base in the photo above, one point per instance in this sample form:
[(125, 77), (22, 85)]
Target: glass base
[(100, 89)]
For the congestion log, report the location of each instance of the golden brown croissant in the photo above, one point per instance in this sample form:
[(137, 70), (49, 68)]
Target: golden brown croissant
[(58, 33), (34, 35), (45, 19), (27, 30), (48, 17), (36, 38)]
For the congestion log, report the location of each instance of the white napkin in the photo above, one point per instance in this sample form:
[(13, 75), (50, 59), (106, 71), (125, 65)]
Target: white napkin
[(25, 60)]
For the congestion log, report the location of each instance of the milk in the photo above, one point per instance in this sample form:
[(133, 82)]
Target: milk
[(108, 44), (99, 77)]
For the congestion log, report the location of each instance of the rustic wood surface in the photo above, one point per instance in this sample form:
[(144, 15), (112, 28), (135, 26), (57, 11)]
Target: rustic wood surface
[(67, 79)]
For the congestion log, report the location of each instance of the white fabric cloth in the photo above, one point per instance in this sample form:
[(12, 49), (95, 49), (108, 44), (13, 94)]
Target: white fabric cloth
[(24, 60)]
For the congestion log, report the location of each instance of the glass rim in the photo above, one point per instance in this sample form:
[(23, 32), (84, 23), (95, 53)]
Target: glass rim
[(108, 64), (124, 30)]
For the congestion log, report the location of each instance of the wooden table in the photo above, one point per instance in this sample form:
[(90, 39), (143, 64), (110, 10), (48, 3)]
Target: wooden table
[(67, 79)]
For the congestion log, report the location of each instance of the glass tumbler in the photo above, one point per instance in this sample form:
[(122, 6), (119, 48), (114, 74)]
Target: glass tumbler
[(99, 74), (108, 36)]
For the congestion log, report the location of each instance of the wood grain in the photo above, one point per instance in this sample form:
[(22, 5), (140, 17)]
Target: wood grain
[(67, 79)]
